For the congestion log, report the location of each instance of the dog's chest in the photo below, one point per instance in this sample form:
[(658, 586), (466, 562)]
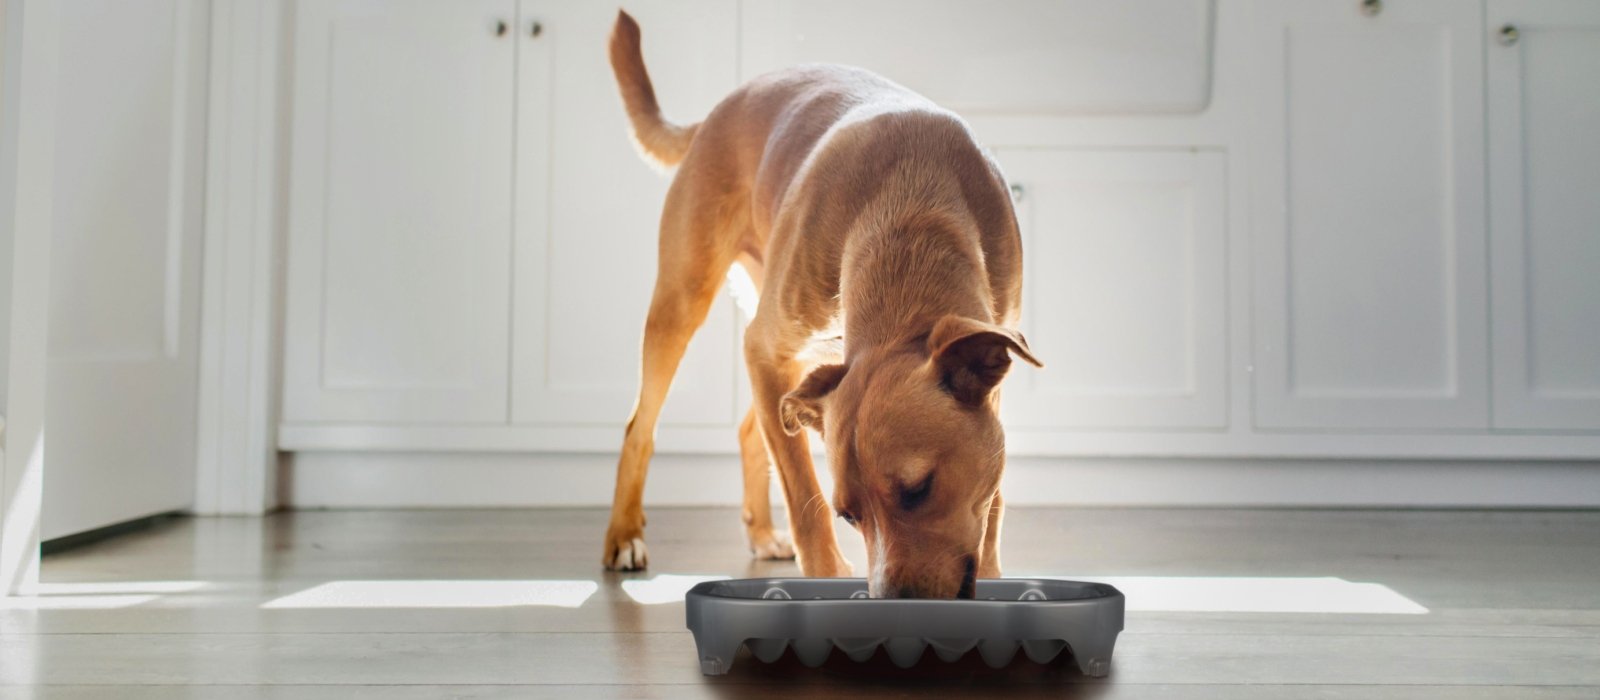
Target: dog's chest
[(826, 346)]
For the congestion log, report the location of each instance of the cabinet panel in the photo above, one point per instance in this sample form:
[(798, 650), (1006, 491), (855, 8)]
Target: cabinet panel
[(1021, 56), (1544, 108), (1124, 289), (1369, 224), (587, 213), (400, 212)]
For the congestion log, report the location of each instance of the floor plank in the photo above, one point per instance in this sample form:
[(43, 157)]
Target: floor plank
[(657, 658)]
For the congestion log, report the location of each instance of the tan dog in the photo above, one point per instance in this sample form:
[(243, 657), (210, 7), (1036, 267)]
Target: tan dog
[(859, 209)]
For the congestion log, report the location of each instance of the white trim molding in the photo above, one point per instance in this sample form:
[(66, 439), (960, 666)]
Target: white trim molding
[(499, 480), (719, 440), (237, 457), (27, 180)]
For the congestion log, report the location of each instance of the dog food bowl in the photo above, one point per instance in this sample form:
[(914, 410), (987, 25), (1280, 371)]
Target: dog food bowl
[(1042, 617)]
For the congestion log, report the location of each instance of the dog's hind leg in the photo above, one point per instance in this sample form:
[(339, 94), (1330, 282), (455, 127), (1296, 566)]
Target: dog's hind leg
[(744, 281), (765, 542), (693, 261), (773, 373)]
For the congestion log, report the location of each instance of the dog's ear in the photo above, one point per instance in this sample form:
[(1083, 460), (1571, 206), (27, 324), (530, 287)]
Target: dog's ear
[(972, 356), (802, 408)]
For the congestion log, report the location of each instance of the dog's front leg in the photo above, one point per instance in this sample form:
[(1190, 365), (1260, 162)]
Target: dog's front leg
[(810, 517)]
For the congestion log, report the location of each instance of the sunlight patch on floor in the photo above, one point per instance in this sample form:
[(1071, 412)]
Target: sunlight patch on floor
[(437, 594), (75, 602), (1326, 594), (665, 588), (97, 595), (120, 587)]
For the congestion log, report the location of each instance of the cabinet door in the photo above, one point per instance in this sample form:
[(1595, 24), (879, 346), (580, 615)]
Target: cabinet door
[(1544, 112), (400, 223), (1123, 289), (1368, 226), (587, 214)]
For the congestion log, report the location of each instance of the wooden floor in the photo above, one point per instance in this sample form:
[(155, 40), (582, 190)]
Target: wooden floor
[(286, 607)]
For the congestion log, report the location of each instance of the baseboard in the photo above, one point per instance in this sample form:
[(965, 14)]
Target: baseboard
[(487, 480)]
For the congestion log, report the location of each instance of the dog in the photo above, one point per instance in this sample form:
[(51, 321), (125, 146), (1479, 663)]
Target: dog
[(880, 235)]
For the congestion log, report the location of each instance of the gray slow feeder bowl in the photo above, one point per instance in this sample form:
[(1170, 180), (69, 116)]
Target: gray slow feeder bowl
[(1043, 617)]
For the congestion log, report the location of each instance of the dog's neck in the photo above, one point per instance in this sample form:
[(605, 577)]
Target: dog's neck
[(898, 281)]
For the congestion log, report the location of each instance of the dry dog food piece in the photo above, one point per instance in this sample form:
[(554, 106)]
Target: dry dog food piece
[(1042, 617)]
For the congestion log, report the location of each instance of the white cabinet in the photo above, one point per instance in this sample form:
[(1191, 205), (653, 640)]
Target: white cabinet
[(400, 212), (1252, 229), (1368, 217), (465, 253), (1124, 289), (587, 214), (1544, 165)]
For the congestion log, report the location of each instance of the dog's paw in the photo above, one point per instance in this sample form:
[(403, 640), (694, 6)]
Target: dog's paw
[(771, 546), (625, 551)]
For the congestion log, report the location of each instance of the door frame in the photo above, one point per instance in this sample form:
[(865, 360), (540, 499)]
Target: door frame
[(241, 319), (27, 180)]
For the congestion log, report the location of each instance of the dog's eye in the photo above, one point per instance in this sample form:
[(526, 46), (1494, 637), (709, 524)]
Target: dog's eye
[(848, 517), (913, 496)]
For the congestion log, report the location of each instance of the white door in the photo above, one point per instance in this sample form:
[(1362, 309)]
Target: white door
[(123, 340), (1124, 292), (1544, 112), (400, 212), (586, 224), (1368, 216)]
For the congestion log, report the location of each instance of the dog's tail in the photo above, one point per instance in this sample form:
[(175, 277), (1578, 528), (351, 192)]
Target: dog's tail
[(658, 140)]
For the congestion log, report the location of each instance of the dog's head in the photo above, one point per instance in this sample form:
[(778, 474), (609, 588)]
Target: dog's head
[(916, 448)]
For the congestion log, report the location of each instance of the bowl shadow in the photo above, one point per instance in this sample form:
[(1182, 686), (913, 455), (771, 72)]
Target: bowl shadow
[(840, 678)]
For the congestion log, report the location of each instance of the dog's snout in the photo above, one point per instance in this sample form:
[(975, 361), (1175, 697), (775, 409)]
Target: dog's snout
[(958, 579)]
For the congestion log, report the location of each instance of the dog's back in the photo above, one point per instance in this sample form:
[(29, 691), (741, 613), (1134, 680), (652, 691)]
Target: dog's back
[(854, 128)]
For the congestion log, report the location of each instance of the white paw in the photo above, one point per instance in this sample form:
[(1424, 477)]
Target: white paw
[(631, 556), (774, 548)]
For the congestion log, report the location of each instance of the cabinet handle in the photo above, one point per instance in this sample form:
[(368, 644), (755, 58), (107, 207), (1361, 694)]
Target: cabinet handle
[(1509, 35), (1017, 192), (1371, 8), (536, 30), (500, 27)]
